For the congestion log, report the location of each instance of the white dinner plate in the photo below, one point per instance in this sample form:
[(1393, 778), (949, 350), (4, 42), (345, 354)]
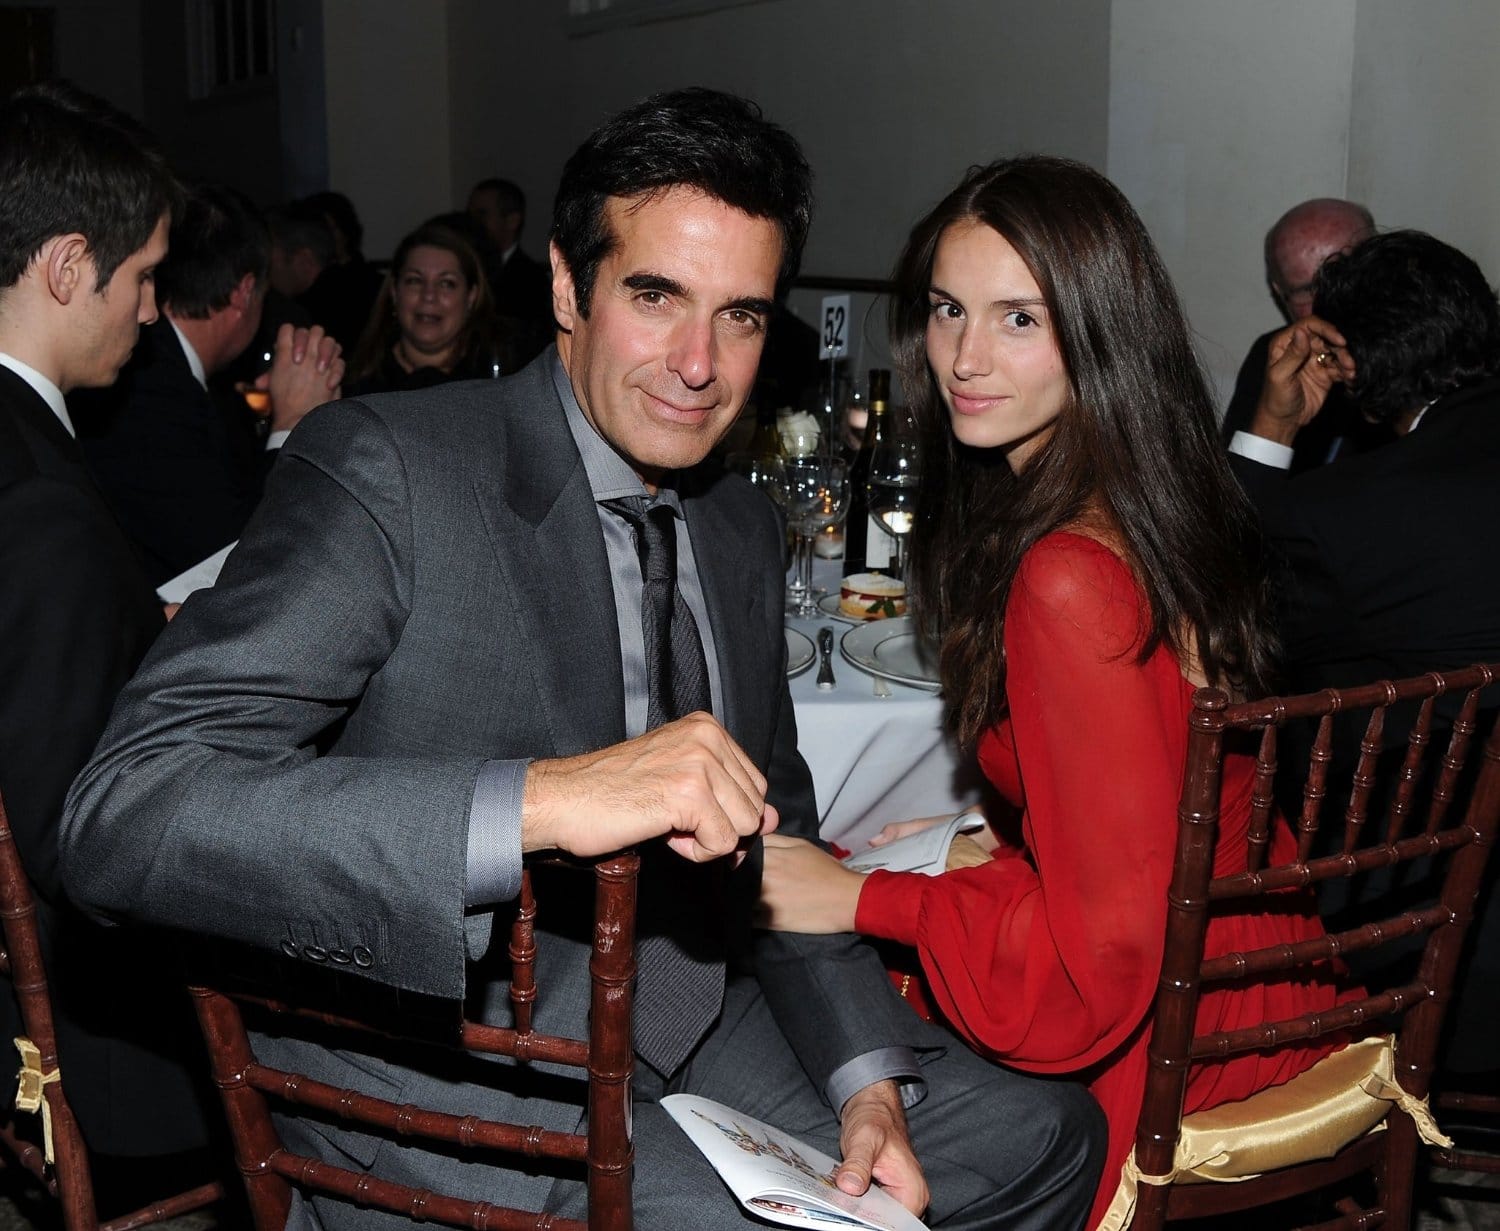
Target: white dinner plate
[(892, 650), (799, 652)]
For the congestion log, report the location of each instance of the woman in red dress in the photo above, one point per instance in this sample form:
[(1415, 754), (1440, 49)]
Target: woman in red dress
[(1087, 559)]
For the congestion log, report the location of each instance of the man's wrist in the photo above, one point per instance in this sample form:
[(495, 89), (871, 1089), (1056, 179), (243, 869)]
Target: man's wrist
[(1273, 428)]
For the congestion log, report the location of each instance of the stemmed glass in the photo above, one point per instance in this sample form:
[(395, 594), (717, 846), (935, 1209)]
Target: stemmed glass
[(763, 470), (817, 497), (895, 470)]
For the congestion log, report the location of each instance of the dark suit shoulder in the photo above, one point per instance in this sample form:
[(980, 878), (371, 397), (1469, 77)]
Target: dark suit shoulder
[(17, 463)]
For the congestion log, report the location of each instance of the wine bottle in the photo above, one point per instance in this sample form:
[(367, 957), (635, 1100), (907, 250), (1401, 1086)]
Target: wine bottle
[(766, 440), (860, 539)]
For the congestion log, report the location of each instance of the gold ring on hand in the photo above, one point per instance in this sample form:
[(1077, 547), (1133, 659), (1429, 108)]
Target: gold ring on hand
[(1323, 357)]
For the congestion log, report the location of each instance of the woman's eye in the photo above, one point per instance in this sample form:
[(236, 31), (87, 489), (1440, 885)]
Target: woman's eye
[(1021, 320), (945, 310)]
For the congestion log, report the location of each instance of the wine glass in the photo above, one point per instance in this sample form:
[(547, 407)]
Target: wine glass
[(764, 472), (895, 471), (817, 497)]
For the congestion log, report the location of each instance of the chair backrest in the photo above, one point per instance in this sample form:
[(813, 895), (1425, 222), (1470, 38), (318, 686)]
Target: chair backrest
[(1433, 798), (604, 1150), (67, 1178)]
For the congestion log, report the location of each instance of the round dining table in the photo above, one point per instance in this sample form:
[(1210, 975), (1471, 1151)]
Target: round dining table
[(874, 759)]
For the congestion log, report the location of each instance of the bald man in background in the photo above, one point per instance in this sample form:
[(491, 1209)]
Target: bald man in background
[(1296, 247)]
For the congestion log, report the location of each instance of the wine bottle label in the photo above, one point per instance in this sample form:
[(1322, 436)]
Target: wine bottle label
[(879, 546)]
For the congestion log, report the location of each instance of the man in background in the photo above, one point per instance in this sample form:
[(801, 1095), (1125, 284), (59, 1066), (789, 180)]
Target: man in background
[(520, 286), (85, 205), (183, 467), (1296, 247)]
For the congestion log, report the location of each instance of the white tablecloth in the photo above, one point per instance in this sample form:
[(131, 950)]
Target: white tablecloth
[(873, 759)]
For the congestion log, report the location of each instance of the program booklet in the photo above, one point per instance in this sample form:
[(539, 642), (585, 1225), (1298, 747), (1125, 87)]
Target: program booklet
[(777, 1177), (925, 851)]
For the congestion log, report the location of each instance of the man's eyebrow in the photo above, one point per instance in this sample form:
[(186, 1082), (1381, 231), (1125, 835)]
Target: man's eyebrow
[(655, 282), (751, 303)]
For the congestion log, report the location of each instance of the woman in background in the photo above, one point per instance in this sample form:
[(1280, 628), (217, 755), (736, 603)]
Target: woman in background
[(1087, 560), (433, 321)]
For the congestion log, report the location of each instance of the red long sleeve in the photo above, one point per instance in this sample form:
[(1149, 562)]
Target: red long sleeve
[(1048, 961), (1052, 968)]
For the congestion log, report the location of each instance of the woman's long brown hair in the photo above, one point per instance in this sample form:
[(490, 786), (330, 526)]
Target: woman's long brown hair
[(1135, 445)]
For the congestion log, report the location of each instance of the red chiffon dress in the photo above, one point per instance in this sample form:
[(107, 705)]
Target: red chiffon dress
[(1047, 958)]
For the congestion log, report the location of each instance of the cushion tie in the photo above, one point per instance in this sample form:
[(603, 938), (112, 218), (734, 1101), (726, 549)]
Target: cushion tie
[(31, 1082)]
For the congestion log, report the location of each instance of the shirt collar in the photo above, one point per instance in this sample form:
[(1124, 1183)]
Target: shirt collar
[(44, 388), (610, 476), (194, 362)]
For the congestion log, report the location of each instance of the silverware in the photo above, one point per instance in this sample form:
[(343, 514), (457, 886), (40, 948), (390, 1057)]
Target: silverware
[(825, 657)]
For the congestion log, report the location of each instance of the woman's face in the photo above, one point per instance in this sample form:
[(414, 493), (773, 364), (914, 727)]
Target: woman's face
[(433, 301), (991, 345)]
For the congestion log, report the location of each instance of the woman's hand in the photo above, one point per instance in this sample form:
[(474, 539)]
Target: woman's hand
[(903, 829), (805, 889), (984, 838)]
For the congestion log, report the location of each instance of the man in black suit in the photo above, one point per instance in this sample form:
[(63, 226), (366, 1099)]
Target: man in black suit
[(1391, 570), (518, 616), (1302, 239), (182, 463), (520, 286), (1394, 568), (85, 204)]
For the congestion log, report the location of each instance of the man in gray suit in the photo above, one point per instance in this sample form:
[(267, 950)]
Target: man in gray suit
[(436, 648)]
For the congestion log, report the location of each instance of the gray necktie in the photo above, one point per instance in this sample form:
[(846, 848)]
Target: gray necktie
[(680, 988)]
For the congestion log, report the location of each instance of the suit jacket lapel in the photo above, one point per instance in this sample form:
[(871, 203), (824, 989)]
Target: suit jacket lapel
[(734, 611), (544, 530)]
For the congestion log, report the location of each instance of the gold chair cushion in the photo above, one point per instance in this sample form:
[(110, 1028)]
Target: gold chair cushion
[(1312, 1116)]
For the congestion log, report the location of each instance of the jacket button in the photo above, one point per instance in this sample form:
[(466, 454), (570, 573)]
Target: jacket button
[(341, 956), (289, 947), (315, 953), (363, 957)]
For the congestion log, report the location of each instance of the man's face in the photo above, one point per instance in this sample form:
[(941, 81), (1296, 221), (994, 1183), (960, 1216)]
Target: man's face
[(109, 320), (1296, 270), (667, 355), (501, 225), (1299, 253)]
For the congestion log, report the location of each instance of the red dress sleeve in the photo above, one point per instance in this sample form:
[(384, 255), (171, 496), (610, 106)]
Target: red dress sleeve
[(1051, 964)]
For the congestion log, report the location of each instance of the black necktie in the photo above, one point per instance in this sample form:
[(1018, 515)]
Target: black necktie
[(680, 988)]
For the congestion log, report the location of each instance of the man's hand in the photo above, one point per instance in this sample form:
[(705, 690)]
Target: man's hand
[(874, 1142), (687, 779), (307, 370), (1304, 362)]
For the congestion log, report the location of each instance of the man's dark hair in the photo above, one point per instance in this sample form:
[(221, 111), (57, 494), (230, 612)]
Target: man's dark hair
[(218, 239), (693, 138), (342, 216), (70, 162), (1418, 315), (301, 225), (508, 195)]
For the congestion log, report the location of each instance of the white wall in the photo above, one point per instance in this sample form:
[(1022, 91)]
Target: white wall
[(891, 100), (1213, 115), (388, 118), (1222, 115), (1426, 120)]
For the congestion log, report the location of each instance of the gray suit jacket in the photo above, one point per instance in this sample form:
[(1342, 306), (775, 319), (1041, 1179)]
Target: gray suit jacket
[(426, 587)]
